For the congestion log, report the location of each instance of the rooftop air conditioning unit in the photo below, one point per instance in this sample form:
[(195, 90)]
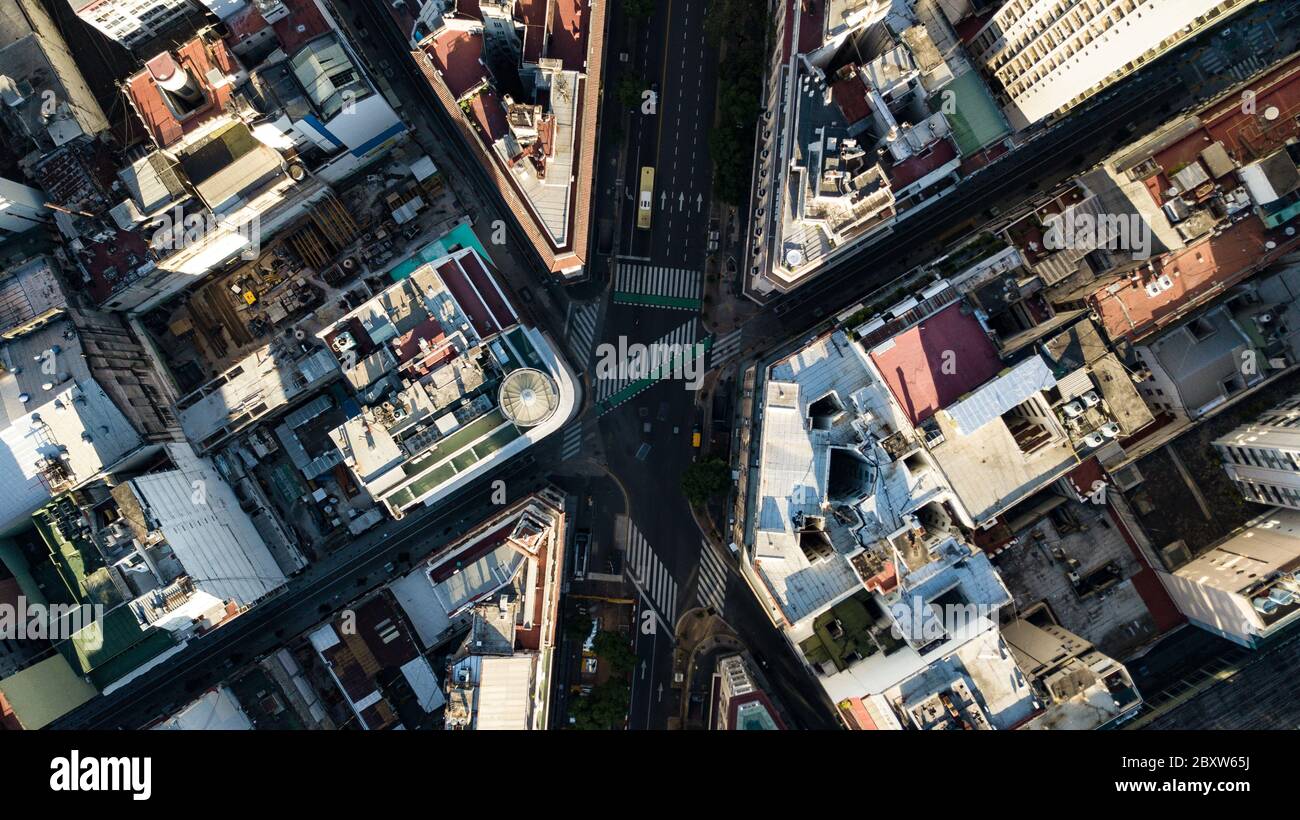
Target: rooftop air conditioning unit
[(1264, 606), (1073, 410), (1110, 430), (1091, 399), (1093, 440)]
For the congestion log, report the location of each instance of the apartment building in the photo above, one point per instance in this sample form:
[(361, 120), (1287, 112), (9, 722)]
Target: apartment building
[(1245, 588), (1262, 457), (137, 23), (1048, 56)]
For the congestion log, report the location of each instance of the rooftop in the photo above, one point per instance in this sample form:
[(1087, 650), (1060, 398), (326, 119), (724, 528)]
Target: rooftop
[(931, 365), (429, 359), (373, 659), (177, 92), (1130, 308), (546, 60)]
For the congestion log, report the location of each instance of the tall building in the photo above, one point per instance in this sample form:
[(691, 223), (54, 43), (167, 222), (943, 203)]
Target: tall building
[(1263, 457), (521, 82), (742, 703), (1051, 55), (449, 381), (47, 103), (508, 591), (78, 393), (870, 109), (21, 208), (1246, 588), (135, 23)]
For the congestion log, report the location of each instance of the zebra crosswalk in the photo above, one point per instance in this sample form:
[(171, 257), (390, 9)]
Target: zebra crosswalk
[(650, 575), (580, 328), (656, 286), (724, 347), (712, 587), (630, 379), (571, 440)]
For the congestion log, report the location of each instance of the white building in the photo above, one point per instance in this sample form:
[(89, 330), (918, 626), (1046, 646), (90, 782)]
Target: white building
[(1246, 588), (21, 208), (1263, 457), (133, 22), (193, 509), (1050, 55), (217, 710), (449, 379)]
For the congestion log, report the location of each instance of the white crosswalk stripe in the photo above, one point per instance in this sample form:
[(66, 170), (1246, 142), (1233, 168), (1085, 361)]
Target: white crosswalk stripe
[(651, 576), (653, 280), (712, 590), (580, 327), (725, 347), (571, 441), (608, 385)]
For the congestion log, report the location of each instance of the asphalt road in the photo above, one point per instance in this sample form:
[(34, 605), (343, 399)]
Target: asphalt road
[(670, 51)]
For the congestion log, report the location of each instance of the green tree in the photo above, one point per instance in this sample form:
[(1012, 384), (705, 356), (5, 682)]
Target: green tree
[(705, 480), (741, 29), (612, 648), (604, 709), (578, 626), (629, 91), (639, 11)]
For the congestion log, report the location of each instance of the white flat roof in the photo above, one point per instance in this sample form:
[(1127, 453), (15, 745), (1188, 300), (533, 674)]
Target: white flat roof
[(504, 692), (217, 709)]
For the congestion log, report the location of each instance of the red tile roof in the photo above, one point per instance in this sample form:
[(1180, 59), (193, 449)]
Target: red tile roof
[(853, 708), (458, 55), (1198, 271), (486, 287), (477, 313), (1245, 136), (109, 263), (489, 115), (303, 24), (197, 58), (569, 34), (936, 362), (571, 253), (489, 542), (468, 8), (913, 168), (245, 22), (812, 25), (850, 94), (533, 15)]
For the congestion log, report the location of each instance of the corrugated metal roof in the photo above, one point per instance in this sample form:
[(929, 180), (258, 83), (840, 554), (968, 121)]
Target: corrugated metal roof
[(1000, 395), (503, 693)]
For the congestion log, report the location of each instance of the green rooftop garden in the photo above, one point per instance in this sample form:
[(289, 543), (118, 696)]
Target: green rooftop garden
[(855, 622)]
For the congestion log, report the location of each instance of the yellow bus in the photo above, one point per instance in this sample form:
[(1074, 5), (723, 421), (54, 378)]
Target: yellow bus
[(645, 205)]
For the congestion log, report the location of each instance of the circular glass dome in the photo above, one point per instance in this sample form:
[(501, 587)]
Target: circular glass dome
[(528, 397)]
